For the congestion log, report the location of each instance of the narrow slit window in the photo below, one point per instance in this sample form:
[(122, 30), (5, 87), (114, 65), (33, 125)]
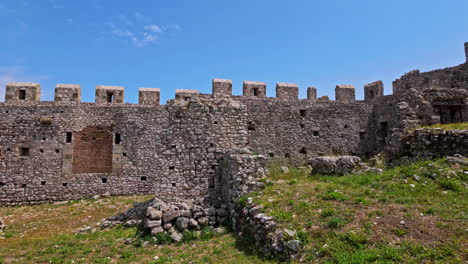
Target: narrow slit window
[(22, 95), (117, 138), (69, 137)]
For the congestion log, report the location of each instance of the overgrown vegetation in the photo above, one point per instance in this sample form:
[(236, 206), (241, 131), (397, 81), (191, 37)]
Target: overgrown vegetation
[(408, 214), (47, 234), (451, 126), (411, 213)]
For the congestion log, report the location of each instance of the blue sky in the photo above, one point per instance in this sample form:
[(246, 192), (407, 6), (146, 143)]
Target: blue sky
[(181, 44)]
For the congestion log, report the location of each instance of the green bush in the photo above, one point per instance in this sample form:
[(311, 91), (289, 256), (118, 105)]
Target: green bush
[(327, 212), (450, 185), (334, 196), (336, 222)]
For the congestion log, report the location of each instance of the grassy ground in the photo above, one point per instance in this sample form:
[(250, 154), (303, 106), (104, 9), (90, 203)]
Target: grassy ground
[(393, 217), (47, 234), (460, 126)]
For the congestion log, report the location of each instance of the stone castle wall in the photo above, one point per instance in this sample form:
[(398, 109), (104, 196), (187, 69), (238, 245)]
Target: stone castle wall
[(66, 149)]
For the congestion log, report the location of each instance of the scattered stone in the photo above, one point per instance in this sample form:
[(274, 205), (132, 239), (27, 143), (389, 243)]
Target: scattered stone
[(294, 245), (156, 230), (171, 213), (220, 230), (182, 223), (416, 178), (176, 236), (457, 159), (284, 169), (153, 213), (340, 165), (132, 223), (290, 233)]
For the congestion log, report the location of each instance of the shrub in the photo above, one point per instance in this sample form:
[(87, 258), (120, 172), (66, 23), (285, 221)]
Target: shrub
[(336, 222), (450, 185), (327, 212), (334, 196)]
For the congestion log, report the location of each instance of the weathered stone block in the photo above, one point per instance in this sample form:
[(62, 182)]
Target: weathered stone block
[(109, 94), (67, 93), (17, 92), (221, 88), (345, 93), (254, 89), (287, 91), (149, 96)]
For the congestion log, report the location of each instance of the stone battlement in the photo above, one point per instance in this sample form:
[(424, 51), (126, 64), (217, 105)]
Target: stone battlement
[(67, 149), (221, 89)]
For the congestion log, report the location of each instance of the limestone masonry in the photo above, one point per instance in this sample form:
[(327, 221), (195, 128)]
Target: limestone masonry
[(66, 149)]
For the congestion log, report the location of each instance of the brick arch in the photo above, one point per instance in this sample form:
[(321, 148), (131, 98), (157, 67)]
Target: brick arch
[(92, 150)]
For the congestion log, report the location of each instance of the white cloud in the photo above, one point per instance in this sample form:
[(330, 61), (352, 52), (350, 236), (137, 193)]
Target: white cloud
[(153, 28), (139, 29)]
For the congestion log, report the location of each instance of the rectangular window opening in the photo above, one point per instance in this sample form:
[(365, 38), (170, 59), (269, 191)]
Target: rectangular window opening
[(69, 137), (22, 95), (110, 97), (187, 98), (362, 135), (143, 178), (104, 180), (371, 94), (43, 183), (315, 133), (117, 138), (24, 152), (64, 184), (254, 91), (302, 112), (384, 129), (171, 167)]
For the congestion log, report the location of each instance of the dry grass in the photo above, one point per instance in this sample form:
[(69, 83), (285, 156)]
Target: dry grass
[(47, 234)]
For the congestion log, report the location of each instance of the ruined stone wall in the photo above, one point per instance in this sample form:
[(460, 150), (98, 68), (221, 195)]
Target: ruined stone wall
[(60, 151), (171, 150), (301, 129), (436, 142), (66, 150)]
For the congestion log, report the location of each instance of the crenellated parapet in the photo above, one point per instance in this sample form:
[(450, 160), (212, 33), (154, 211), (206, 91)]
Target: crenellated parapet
[(287, 91), (67, 93), (373, 90), (254, 89), (17, 92), (312, 93), (149, 96), (186, 95), (345, 93), (221, 88), (109, 94)]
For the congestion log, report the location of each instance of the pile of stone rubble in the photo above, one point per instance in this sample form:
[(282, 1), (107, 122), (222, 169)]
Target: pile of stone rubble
[(172, 218)]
